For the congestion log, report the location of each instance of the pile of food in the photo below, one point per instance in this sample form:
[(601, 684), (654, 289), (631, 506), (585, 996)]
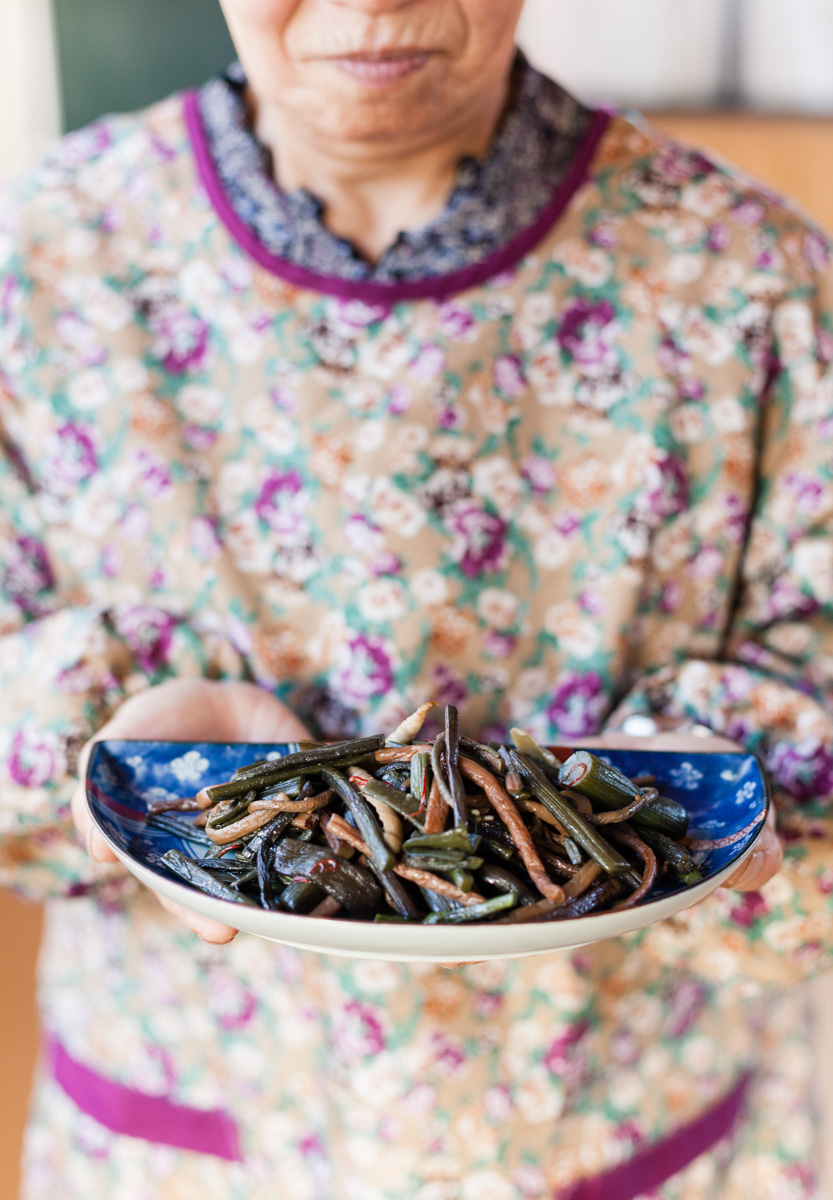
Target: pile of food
[(390, 829)]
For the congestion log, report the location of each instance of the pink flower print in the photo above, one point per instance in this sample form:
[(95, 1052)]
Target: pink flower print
[(231, 1002), (478, 539), (817, 251), (363, 536), (539, 474), (487, 1004), (280, 505), (749, 212), (585, 332), (749, 909), (72, 457), (804, 769), (285, 399), (26, 575), (36, 757), (148, 633), (691, 388), (385, 564), (429, 363), (204, 538), (154, 476), (457, 322), (447, 1053), (356, 314), (198, 437), (719, 238), (706, 564), (808, 493), (567, 1056), (112, 560), (311, 1146), (671, 597), (358, 1032), (497, 1101), (365, 670), (605, 237), (591, 602), (498, 645), (567, 524), (509, 377), (449, 418), (399, 400), (578, 704), (687, 1001), (180, 339), (78, 148), (629, 1131), (447, 687), (135, 523), (75, 680)]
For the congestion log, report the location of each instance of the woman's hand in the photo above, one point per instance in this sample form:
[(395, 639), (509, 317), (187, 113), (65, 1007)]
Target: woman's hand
[(765, 860), (188, 710)]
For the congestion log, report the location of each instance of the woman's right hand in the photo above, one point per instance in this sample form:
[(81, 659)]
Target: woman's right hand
[(188, 710)]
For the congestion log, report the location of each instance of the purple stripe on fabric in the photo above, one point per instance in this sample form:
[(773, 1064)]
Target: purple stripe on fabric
[(436, 287), (650, 1169), (137, 1114)]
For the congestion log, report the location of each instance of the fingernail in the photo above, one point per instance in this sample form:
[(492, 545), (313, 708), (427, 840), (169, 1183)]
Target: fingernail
[(93, 844), (753, 868)]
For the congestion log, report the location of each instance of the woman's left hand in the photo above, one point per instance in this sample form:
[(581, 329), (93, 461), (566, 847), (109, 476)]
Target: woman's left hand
[(765, 860)]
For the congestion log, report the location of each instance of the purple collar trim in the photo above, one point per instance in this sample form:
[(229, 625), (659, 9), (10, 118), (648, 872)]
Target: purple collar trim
[(137, 1114), (438, 287), (649, 1169)]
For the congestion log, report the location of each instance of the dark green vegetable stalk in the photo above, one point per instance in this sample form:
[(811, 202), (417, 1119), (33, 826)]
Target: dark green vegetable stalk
[(474, 912), (606, 786), (304, 762), (353, 886), (365, 818), (459, 807), (677, 857), (591, 842), (192, 872)]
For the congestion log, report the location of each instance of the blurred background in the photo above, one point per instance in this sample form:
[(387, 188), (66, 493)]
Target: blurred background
[(750, 80)]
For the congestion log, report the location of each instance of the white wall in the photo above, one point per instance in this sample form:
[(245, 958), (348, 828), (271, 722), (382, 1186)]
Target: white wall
[(787, 59), (665, 53), (29, 100), (645, 52)]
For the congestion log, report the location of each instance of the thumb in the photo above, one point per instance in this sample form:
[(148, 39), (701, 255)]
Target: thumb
[(258, 716)]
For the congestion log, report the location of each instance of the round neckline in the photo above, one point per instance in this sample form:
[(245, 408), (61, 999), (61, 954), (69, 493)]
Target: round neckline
[(434, 287)]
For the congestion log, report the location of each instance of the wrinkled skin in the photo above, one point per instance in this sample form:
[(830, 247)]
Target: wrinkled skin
[(370, 104)]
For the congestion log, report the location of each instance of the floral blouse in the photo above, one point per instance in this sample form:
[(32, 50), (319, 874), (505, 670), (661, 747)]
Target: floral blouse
[(588, 476)]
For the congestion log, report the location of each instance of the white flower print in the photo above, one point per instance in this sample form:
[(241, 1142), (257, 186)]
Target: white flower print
[(686, 776), (190, 767)]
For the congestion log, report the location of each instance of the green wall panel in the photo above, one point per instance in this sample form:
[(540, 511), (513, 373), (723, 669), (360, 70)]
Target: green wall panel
[(118, 55)]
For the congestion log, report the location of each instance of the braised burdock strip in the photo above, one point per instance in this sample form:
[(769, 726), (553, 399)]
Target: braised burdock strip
[(443, 831)]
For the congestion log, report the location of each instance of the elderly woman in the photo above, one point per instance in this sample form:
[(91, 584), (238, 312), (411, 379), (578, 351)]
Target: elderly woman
[(382, 369)]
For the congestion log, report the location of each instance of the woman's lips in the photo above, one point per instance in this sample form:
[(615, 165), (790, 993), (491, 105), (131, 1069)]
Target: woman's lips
[(381, 70)]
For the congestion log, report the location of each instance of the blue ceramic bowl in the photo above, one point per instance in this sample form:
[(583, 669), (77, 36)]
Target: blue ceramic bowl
[(726, 795)]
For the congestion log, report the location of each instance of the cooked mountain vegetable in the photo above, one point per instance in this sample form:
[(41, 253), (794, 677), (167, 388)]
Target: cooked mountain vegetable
[(388, 829)]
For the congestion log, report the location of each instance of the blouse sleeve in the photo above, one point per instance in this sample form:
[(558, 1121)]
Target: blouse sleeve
[(66, 662), (772, 689), (64, 669)]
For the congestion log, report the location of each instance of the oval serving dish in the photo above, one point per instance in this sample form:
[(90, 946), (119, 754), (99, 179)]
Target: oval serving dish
[(726, 795)]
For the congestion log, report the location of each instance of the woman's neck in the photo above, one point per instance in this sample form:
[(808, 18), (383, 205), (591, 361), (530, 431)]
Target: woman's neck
[(371, 194)]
